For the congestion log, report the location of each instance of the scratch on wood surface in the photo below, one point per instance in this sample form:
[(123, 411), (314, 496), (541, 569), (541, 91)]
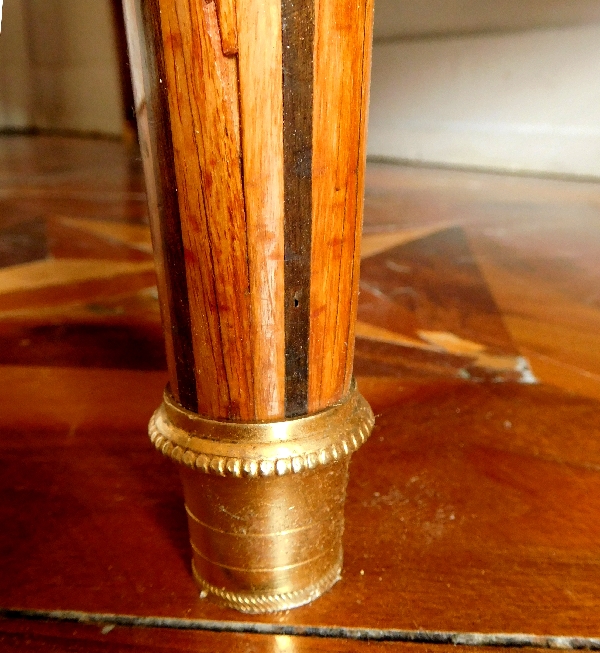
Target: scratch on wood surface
[(449, 343)]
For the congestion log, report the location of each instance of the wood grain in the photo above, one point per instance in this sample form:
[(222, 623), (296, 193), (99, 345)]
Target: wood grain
[(154, 129), (452, 523), (70, 241), (474, 506), (268, 108), (363, 121), (68, 281), (342, 61), (202, 93), (261, 102), (227, 25), (133, 235), (230, 196)]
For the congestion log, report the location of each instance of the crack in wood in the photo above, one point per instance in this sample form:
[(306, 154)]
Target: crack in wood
[(456, 638)]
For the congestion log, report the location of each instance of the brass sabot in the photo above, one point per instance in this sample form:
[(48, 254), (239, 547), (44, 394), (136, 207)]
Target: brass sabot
[(265, 500)]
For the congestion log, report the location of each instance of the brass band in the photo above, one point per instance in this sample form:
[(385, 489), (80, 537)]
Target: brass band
[(254, 449), (261, 602)]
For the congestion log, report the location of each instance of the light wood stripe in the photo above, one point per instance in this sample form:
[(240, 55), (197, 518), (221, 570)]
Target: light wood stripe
[(342, 60), (365, 38), (268, 103), (261, 102), (202, 92)]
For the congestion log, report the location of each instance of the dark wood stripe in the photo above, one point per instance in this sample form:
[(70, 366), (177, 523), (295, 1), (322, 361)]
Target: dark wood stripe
[(297, 28), (170, 223)]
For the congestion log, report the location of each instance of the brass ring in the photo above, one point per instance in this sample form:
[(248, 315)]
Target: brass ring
[(260, 602), (255, 449)]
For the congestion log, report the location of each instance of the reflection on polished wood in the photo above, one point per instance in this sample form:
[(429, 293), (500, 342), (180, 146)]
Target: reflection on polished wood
[(474, 506)]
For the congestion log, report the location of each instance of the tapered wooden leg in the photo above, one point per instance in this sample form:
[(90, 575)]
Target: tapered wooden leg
[(252, 119)]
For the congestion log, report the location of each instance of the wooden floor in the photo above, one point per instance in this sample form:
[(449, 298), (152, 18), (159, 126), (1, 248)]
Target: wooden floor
[(473, 510)]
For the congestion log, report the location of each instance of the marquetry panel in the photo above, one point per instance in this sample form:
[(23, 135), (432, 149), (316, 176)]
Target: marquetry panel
[(472, 510)]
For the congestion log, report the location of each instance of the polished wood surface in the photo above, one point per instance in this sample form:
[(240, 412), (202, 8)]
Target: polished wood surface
[(451, 521), (261, 113), (239, 119), (157, 149), (473, 508), (17, 636), (252, 123), (342, 71)]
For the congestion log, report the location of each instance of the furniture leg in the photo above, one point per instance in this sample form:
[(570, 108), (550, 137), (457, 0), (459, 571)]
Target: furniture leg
[(252, 124)]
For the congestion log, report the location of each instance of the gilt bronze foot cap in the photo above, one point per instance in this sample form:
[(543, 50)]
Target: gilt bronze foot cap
[(265, 500)]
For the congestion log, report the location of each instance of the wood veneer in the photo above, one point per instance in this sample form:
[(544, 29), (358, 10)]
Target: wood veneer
[(298, 63), (342, 71), (154, 129), (264, 108), (452, 521)]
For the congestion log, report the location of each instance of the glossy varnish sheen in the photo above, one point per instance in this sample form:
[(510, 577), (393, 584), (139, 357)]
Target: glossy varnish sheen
[(261, 102), (474, 507), (202, 93)]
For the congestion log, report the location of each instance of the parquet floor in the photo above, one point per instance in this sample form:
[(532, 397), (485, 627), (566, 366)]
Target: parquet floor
[(473, 510)]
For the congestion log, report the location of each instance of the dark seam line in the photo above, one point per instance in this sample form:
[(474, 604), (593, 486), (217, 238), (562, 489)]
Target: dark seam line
[(250, 380), (170, 223), (297, 40), (501, 640)]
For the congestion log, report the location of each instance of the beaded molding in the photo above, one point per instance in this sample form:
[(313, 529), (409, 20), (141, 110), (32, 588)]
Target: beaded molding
[(259, 449), (255, 603)]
